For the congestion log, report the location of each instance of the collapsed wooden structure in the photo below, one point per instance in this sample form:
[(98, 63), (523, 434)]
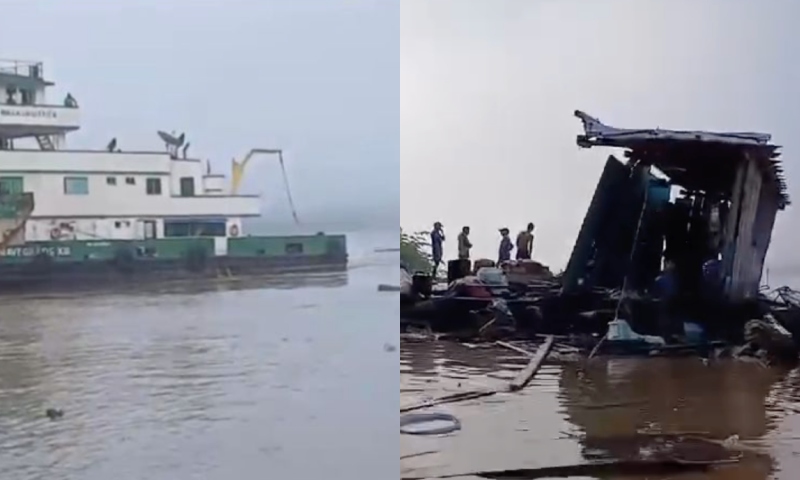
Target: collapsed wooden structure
[(733, 179), (696, 199)]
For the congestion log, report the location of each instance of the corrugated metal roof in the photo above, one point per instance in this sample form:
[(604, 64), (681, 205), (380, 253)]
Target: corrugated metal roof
[(598, 134)]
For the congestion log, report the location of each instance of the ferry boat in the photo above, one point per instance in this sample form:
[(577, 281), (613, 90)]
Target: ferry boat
[(107, 214)]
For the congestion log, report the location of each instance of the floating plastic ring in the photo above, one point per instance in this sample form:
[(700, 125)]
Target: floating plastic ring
[(417, 418)]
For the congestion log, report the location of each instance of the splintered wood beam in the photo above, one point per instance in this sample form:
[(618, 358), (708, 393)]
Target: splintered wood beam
[(526, 375)]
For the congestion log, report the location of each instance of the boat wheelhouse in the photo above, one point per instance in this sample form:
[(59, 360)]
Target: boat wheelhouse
[(105, 193)]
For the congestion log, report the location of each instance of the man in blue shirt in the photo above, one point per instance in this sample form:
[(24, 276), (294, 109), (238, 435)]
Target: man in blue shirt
[(666, 285), (437, 250), (504, 253)]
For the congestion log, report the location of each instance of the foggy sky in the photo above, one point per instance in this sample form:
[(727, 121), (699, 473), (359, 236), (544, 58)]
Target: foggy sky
[(317, 78), (488, 88)]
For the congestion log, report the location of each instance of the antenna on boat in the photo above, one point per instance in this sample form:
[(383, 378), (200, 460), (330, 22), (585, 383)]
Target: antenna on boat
[(185, 148), (238, 170), (172, 142)]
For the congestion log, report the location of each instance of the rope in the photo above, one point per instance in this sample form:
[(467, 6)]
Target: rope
[(627, 272), (633, 250), (288, 190)]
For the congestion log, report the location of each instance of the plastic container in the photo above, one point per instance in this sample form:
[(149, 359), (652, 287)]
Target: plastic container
[(693, 332), (422, 284), (492, 276), (620, 330), (457, 269)]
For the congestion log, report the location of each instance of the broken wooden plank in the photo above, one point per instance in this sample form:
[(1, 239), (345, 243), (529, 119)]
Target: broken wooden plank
[(412, 455), (453, 397), (526, 375), (597, 468), (515, 348)]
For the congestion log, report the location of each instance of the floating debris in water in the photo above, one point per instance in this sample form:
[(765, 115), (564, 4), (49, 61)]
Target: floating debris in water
[(451, 423), (54, 413), (388, 288)]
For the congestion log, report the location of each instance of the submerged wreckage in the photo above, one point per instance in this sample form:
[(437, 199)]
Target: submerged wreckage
[(703, 203)]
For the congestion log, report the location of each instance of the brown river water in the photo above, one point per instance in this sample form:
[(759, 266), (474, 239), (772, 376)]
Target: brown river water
[(287, 379), (569, 409)]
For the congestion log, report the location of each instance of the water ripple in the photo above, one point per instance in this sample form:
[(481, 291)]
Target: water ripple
[(561, 416), (212, 384)]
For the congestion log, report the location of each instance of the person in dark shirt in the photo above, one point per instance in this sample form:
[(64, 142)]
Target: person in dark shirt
[(464, 245), (666, 283), (437, 250), (525, 243), (506, 246)]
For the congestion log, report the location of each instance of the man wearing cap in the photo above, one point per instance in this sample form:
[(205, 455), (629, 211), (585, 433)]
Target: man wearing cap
[(437, 239), (506, 246)]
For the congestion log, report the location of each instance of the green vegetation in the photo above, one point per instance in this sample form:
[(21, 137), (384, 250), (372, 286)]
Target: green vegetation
[(414, 251)]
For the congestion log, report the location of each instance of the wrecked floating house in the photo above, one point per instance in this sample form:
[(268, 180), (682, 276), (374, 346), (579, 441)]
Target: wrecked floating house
[(697, 199)]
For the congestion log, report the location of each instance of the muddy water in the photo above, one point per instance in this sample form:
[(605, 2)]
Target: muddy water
[(568, 410), (288, 380)]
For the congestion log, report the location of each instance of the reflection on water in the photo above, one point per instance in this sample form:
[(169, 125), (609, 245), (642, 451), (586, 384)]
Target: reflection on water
[(573, 411), (288, 281), (211, 384)]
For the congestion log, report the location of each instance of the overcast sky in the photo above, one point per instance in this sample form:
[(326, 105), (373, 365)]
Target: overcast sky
[(318, 78), (488, 88)]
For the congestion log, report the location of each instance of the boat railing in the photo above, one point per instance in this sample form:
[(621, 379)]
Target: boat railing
[(60, 106), (22, 67)]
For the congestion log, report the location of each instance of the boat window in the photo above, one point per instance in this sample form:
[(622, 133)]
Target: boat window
[(187, 186), (26, 97), (294, 248), (149, 229), (76, 185), (130, 181), (111, 180), (194, 228), (11, 185), (153, 186)]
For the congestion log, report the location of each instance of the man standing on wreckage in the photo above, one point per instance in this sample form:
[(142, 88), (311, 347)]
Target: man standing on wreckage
[(437, 251)]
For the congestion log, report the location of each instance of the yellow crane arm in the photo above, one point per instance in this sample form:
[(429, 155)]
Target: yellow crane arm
[(237, 173), (237, 170)]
